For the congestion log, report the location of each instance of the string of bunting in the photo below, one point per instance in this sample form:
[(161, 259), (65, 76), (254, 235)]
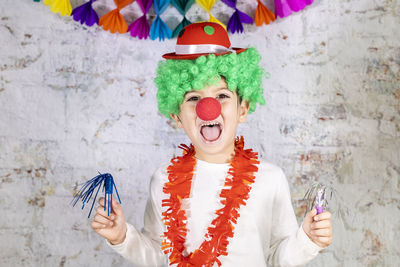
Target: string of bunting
[(114, 22)]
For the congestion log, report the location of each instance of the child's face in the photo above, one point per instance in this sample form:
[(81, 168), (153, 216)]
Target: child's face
[(213, 144)]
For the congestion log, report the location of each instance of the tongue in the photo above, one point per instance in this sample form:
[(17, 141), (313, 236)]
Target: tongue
[(210, 133)]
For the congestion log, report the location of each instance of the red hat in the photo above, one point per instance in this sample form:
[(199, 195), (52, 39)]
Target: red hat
[(202, 38)]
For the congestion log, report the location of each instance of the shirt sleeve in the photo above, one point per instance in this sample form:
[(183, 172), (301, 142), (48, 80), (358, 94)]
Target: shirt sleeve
[(290, 246), (144, 248)]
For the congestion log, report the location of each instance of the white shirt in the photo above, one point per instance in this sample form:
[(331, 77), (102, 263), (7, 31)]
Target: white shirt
[(266, 233)]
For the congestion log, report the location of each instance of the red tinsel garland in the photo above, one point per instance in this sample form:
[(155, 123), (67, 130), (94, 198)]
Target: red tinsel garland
[(180, 173)]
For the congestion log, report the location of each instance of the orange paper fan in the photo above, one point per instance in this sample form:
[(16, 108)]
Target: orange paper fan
[(263, 14), (113, 21)]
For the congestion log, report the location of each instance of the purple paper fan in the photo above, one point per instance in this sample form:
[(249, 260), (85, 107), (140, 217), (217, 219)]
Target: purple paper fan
[(284, 8), (230, 3), (235, 23), (140, 28), (144, 5), (297, 5), (85, 14)]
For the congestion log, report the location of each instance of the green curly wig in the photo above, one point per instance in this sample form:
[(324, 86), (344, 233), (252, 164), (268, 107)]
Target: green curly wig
[(242, 74)]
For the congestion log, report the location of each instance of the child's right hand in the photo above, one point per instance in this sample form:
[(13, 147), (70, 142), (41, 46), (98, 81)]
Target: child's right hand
[(112, 227)]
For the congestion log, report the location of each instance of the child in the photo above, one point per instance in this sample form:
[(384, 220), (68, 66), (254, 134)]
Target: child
[(216, 205)]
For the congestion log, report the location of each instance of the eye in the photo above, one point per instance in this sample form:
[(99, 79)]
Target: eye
[(222, 96), (193, 98)]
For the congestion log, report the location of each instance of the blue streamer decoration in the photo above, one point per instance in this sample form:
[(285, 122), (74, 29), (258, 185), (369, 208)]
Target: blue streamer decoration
[(159, 28), (86, 192), (182, 6)]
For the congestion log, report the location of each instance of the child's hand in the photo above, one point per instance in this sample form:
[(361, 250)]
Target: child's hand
[(318, 227), (112, 227)]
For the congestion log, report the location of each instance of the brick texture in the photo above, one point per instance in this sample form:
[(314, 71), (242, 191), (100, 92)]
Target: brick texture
[(76, 100)]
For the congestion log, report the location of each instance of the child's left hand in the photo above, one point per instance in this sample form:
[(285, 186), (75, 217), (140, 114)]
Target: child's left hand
[(318, 227)]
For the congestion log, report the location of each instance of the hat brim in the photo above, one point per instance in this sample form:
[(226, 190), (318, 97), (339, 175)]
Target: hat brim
[(194, 56)]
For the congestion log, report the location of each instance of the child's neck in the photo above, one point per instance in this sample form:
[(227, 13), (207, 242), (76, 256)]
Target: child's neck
[(223, 157)]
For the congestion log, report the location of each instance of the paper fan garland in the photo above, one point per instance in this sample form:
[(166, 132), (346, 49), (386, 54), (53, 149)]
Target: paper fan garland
[(159, 29), (182, 6), (237, 19), (85, 14), (113, 21), (140, 27)]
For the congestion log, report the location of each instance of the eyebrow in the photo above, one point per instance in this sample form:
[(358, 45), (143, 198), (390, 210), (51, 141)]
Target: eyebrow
[(215, 90)]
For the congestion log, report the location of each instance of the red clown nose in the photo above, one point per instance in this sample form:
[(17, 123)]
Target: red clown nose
[(208, 109)]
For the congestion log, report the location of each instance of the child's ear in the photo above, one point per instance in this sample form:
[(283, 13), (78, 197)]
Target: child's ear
[(177, 120), (243, 110)]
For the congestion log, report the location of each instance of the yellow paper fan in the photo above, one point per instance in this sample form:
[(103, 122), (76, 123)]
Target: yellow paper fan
[(59, 6), (207, 5)]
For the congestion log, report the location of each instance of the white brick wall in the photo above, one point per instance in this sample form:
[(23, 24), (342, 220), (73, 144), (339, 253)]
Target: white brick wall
[(74, 100)]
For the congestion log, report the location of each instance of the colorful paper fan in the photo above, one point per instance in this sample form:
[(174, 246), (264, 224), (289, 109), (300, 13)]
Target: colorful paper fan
[(263, 14), (235, 23), (284, 8), (85, 14), (113, 21), (59, 6), (159, 29), (182, 6), (140, 27), (207, 5)]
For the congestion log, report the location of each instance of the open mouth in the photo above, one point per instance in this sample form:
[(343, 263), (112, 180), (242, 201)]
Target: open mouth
[(211, 131)]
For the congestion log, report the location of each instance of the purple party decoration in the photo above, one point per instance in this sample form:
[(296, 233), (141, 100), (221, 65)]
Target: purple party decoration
[(85, 14), (140, 27), (320, 200), (235, 23), (284, 8), (317, 196)]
